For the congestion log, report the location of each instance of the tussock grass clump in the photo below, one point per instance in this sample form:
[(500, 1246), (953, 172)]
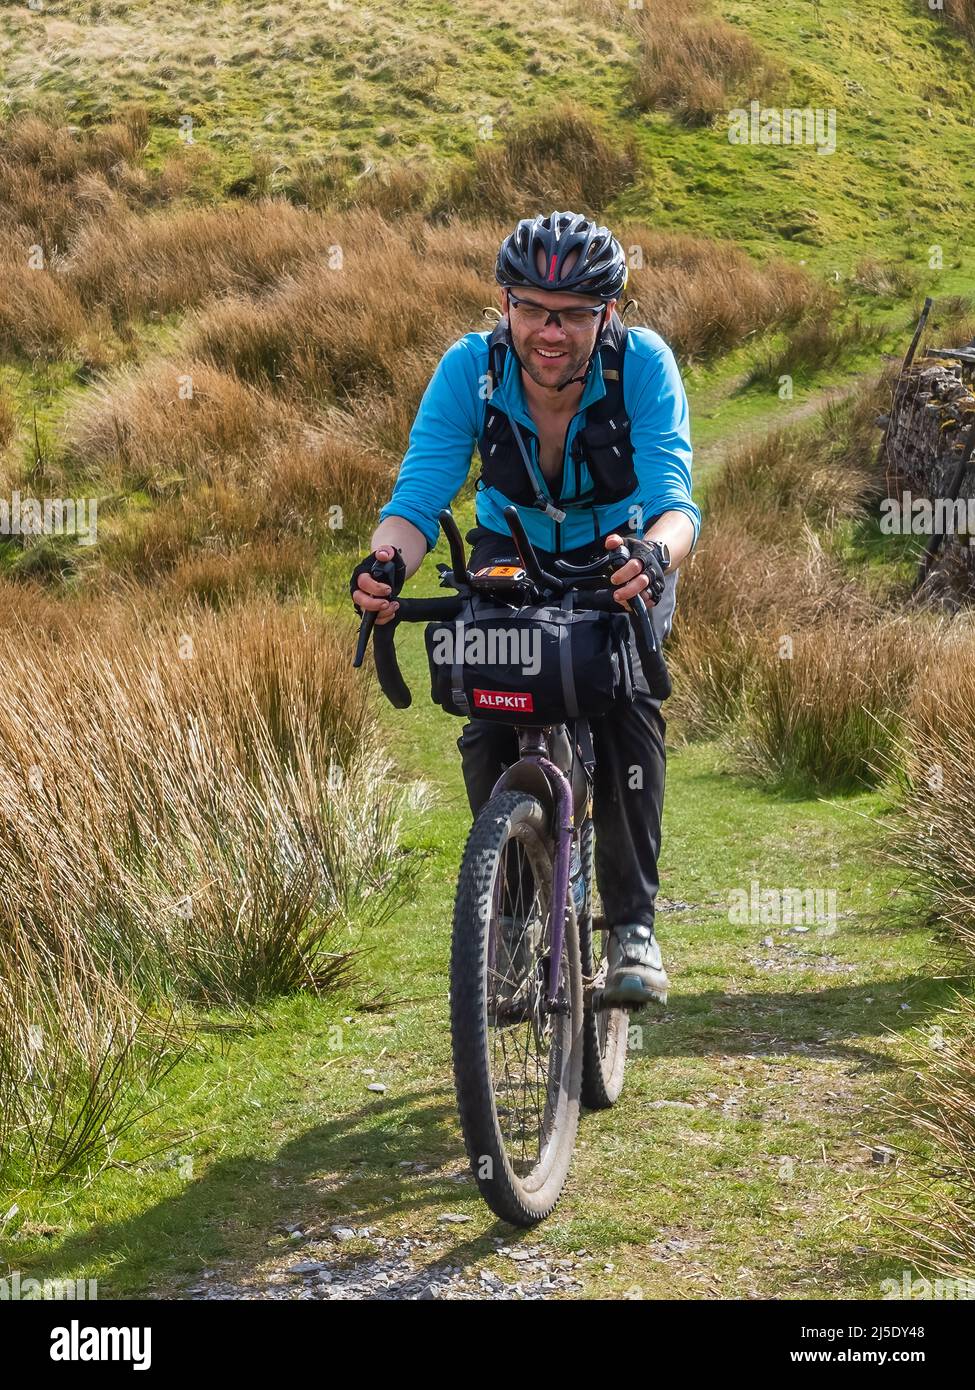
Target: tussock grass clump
[(79, 1058), (53, 176), (218, 573), (246, 492), (170, 422), (822, 472), (777, 648), (557, 157), (961, 15), (393, 189), (41, 317), (736, 599), (275, 522), (935, 779), (340, 334), (932, 776), (941, 1107), (824, 705), (62, 186), (191, 809), (325, 183), (705, 296), (817, 342), (884, 278), (696, 64), (168, 261)]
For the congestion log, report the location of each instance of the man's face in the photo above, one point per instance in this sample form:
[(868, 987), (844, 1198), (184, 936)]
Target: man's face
[(551, 355)]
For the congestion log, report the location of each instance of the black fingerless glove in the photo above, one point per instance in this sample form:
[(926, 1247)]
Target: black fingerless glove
[(650, 558), (371, 566)]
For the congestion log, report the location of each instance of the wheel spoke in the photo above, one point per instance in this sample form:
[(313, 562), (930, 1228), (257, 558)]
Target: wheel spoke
[(526, 1051)]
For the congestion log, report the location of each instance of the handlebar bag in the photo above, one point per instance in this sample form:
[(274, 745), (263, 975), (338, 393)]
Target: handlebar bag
[(529, 664)]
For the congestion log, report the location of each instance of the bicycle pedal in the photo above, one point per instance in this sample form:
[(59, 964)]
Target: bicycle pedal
[(631, 995)]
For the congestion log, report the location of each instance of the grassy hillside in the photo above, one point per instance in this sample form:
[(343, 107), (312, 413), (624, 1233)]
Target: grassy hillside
[(179, 338), (427, 82)]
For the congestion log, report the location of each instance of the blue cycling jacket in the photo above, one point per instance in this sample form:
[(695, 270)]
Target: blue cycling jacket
[(450, 420)]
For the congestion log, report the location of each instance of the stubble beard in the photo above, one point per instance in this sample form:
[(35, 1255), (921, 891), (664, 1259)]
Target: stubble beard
[(574, 365)]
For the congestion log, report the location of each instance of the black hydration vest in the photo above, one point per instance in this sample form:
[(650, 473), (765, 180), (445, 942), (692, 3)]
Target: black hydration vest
[(603, 443)]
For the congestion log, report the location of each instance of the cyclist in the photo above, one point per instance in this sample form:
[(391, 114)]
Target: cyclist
[(593, 457)]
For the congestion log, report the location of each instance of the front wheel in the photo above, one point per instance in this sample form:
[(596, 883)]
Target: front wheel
[(605, 1031), (517, 1054)]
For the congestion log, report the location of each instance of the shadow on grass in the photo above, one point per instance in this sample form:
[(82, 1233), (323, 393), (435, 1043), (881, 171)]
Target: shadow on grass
[(358, 1168), (800, 1022), (352, 1170)]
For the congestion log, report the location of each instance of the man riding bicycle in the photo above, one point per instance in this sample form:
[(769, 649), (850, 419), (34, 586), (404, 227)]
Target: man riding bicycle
[(594, 457)]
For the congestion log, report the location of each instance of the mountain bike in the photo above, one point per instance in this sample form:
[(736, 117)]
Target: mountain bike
[(531, 1042)]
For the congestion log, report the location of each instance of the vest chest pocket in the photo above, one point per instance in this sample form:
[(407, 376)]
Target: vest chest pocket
[(502, 466), (605, 448)]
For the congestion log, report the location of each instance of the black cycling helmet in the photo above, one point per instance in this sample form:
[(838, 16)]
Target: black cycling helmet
[(600, 269)]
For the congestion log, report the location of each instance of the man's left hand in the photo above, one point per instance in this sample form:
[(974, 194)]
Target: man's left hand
[(642, 574)]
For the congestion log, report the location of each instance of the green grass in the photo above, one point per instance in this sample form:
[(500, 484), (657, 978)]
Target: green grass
[(758, 1180), (775, 1059), (414, 79)]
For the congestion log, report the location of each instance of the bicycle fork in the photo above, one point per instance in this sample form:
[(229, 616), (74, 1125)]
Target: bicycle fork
[(534, 759)]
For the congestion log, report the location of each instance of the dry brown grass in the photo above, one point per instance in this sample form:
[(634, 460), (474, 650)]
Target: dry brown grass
[(53, 177), (239, 480), (191, 808), (764, 609), (171, 261), (824, 705), (821, 473), (341, 334), (937, 786), (696, 64), (61, 186), (554, 158), (933, 776), (40, 316), (941, 1106), (170, 423), (705, 296), (961, 15), (296, 502), (736, 600)]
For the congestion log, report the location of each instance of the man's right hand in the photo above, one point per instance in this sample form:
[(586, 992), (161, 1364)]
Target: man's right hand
[(372, 595)]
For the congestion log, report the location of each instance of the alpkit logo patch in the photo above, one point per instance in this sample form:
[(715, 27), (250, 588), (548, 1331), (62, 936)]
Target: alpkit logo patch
[(501, 699)]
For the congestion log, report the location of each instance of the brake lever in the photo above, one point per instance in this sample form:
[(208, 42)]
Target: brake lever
[(384, 572)]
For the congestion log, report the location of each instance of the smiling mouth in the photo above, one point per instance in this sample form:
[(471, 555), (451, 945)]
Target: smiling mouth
[(550, 356)]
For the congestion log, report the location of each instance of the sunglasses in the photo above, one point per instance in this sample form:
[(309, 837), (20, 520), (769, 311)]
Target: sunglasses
[(537, 316)]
